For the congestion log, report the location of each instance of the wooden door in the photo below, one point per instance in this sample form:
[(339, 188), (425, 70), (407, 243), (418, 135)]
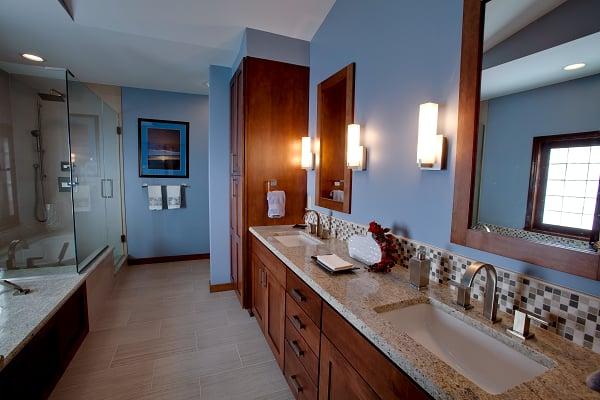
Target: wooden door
[(237, 123), (275, 324), (234, 244), (337, 379), (259, 292)]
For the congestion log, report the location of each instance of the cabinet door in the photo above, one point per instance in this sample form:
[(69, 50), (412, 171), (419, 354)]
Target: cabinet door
[(259, 291), (237, 123), (275, 324), (337, 379)]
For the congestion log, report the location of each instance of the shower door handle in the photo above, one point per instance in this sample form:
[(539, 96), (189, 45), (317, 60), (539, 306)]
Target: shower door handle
[(103, 189)]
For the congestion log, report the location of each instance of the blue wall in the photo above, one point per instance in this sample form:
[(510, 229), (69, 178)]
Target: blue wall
[(166, 232), (218, 160), (513, 122), (406, 53)]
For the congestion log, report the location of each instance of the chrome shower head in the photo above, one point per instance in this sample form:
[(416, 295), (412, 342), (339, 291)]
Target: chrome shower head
[(54, 95), (35, 133)]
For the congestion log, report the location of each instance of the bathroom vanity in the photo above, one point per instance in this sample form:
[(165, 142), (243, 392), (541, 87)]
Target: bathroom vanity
[(371, 336)]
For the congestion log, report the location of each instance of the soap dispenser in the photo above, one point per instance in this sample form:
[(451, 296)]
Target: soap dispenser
[(418, 268)]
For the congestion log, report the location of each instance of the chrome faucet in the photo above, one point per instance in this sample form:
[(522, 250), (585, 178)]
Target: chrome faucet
[(11, 261), (490, 301), (311, 227)]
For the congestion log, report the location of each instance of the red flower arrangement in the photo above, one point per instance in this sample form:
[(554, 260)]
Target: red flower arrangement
[(388, 245)]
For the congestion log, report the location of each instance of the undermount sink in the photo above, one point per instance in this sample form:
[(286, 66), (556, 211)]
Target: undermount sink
[(489, 363), (296, 239)]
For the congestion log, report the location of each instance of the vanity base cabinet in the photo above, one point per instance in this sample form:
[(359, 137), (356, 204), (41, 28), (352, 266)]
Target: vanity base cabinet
[(382, 376), (37, 368)]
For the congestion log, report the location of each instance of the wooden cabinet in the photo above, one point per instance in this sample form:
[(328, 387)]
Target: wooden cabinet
[(321, 354), (385, 379), (36, 369), (269, 116), (338, 380)]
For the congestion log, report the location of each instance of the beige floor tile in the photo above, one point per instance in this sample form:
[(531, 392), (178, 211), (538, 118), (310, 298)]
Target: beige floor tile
[(191, 323), (255, 351), (158, 311), (186, 369), (238, 316), (153, 349), (113, 383), (185, 391), (128, 334), (230, 334), (254, 382), (86, 361), (110, 319)]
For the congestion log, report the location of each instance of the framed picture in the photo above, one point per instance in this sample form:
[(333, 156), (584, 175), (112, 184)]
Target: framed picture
[(163, 148)]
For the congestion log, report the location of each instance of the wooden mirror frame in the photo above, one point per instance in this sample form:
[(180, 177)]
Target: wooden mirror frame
[(345, 74), (562, 259)]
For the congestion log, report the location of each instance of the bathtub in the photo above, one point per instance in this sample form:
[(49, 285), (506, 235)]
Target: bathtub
[(41, 252)]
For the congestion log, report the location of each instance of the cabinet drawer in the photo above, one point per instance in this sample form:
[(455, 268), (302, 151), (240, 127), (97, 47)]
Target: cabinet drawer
[(272, 263), (302, 351), (296, 376), (305, 297), (303, 325)]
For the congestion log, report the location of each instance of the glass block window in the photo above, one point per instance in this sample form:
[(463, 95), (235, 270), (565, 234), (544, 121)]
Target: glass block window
[(572, 187), (564, 187)]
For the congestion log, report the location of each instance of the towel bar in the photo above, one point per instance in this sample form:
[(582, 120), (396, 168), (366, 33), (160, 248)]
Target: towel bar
[(145, 185)]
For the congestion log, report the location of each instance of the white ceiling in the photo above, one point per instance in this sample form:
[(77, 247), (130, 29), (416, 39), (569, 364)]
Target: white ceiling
[(543, 68), (504, 18), (155, 44)]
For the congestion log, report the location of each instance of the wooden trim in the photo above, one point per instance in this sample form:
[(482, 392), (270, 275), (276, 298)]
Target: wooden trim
[(575, 262), (347, 73), (165, 259), (221, 287)]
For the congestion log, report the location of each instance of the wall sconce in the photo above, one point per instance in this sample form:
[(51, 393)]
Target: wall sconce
[(307, 160), (431, 147), (356, 155)]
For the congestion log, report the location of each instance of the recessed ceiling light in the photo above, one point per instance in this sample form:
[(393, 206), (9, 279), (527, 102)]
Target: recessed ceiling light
[(32, 57), (572, 67)]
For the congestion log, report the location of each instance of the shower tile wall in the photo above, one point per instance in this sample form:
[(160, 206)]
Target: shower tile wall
[(22, 101)]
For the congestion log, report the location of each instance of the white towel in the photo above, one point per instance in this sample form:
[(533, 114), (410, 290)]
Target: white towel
[(155, 199), (173, 196), (334, 262), (337, 195), (276, 202)]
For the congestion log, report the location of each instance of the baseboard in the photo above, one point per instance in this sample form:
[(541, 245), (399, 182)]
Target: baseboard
[(221, 287), (164, 259)]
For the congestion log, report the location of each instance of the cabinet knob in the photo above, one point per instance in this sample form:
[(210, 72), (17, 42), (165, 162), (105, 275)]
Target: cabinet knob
[(298, 296), (297, 386), (296, 348), (297, 322)]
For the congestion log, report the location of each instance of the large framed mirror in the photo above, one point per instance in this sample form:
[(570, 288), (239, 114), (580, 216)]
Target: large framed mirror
[(335, 111), (528, 145)]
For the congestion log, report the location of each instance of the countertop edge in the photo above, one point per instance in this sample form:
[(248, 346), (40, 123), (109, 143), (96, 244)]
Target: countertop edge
[(5, 359), (376, 340)]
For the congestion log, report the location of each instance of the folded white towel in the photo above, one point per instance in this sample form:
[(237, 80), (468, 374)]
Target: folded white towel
[(337, 195), (334, 262), (173, 196), (155, 198), (276, 203)]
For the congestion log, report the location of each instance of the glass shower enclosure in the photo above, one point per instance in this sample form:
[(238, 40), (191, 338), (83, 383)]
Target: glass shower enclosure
[(60, 173)]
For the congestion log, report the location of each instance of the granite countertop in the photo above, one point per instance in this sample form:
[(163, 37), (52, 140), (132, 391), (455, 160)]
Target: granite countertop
[(21, 317), (360, 295)]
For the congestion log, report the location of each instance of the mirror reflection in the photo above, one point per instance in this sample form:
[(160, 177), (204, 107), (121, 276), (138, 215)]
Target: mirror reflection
[(335, 111), (538, 139)]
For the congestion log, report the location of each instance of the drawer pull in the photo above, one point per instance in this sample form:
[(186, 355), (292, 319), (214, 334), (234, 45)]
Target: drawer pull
[(296, 348), (297, 386), (297, 322), (298, 296)]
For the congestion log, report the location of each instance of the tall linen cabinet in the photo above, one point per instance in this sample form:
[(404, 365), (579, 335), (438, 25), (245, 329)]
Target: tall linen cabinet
[(269, 116)]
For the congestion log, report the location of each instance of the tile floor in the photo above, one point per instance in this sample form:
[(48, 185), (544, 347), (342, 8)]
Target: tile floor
[(162, 335)]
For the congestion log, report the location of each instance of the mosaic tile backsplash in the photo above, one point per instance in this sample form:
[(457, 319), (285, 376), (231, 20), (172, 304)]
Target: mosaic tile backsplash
[(577, 315)]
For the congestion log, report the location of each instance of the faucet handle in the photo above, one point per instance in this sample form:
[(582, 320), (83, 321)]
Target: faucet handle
[(463, 295), (521, 323)]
